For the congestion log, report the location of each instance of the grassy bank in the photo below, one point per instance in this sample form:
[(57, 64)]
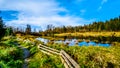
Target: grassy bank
[(94, 34)]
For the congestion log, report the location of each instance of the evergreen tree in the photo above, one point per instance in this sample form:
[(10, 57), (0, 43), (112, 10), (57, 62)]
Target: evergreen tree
[(111, 25), (2, 29), (28, 29)]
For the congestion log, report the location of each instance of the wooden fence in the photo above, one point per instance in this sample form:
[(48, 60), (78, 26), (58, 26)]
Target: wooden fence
[(65, 58)]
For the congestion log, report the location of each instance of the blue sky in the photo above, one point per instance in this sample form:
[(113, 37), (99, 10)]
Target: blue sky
[(40, 13)]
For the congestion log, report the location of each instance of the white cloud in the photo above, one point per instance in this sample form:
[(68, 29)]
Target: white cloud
[(102, 3), (40, 13), (55, 20)]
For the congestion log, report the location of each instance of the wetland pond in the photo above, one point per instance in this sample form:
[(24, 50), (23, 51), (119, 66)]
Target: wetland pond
[(72, 42)]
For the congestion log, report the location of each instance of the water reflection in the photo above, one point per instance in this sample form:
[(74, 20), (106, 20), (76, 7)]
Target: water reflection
[(43, 40), (72, 42)]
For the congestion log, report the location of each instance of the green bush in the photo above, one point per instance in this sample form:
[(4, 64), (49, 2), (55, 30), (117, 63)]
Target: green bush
[(10, 55), (3, 65)]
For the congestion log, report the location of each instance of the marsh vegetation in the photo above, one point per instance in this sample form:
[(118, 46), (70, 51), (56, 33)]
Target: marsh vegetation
[(11, 56)]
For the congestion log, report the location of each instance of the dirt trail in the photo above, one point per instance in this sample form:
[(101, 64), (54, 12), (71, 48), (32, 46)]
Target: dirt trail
[(26, 55)]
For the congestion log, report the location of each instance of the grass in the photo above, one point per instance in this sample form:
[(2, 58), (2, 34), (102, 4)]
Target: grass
[(94, 34), (52, 38), (37, 58), (85, 56), (41, 60), (105, 37), (10, 54), (92, 56)]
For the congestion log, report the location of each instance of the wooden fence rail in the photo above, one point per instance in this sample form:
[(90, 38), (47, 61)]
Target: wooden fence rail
[(71, 63), (49, 48), (66, 59)]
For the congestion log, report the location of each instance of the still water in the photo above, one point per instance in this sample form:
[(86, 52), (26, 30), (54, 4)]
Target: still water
[(72, 42)]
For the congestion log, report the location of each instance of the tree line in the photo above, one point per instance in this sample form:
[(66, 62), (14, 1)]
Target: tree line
[(111, 25)]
